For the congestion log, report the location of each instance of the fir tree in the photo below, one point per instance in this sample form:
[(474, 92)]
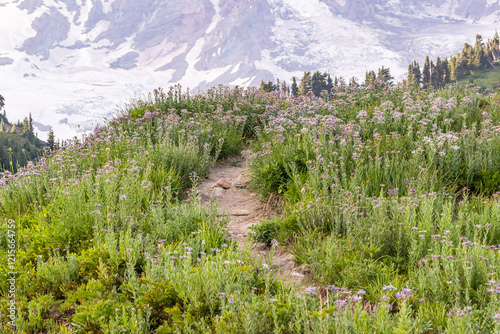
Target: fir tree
[(466, 59), (30, 125), (370, 78), (317, 83), (2, 125), (414, 76), (329, 83), (267, 86), (445, 79), (284, 88), (262, 85), (13, 129), (410, 79), (479, 58), (426, 73), (495, 46), (2, 102), (453, 69), (305, 83), (25, 125), (294, 88), (50, 140), (439, 73), (416, 73), (384, 74), (461, 69), (434, 75)]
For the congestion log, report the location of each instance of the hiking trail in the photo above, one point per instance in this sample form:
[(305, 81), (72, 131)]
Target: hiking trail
[(227, 185)]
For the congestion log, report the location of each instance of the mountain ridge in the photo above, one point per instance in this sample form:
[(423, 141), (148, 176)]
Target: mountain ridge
[(67, 53)]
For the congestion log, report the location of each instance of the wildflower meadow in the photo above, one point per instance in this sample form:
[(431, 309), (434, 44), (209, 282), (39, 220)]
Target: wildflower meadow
[(388, 195)]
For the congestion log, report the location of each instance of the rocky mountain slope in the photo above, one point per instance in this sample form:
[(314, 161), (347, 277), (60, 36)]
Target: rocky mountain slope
[(70, 62)]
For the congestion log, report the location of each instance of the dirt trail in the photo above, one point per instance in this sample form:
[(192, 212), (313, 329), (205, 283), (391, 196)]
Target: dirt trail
[(244, 210)]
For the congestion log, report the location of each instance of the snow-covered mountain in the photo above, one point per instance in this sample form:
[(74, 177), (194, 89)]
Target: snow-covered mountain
[(71, 62)]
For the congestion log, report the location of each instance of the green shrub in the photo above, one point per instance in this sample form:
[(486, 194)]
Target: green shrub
[(266, 231)]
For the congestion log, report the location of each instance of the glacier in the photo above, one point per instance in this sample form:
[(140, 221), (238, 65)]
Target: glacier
[(73, 64)]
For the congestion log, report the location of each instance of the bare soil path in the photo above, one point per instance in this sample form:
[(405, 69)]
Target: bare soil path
[(227, 184)]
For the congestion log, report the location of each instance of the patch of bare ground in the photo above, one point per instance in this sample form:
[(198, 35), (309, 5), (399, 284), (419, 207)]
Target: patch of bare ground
[(227, 185)]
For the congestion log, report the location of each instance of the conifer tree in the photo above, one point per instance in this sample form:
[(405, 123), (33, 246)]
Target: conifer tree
[(265, 87), (50, 140), (284, 88), (489, 56), (461, 67), (2, 125), (410, 79), (467, 59), (495, 46), (317, 83), (13, 129), (370, 78), (426, 73), (445, 74), (262, 85), (414, 76), (434, 75), (453, 68), (2, 102), (479, 60), (294, 88), (329, 83), (439, 73), (305, 83), (416, 72), (384, 75), (479, 56), (30, 124), (25, 125)]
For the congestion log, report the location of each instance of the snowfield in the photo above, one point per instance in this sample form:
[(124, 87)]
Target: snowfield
[(71, 64)]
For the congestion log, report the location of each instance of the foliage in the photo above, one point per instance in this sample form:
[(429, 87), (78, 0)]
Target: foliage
[(468, 65), (389, 197), (17, 149)]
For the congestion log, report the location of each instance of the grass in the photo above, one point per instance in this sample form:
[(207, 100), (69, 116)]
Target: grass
[(488, 78), (389, 195)]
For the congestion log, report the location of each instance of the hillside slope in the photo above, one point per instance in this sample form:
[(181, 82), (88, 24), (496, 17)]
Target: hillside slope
[(389, 201), (488, 78)]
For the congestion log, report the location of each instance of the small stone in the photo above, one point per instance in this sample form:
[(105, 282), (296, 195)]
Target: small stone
[(241, 181), (221, 183), (218, 192)]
